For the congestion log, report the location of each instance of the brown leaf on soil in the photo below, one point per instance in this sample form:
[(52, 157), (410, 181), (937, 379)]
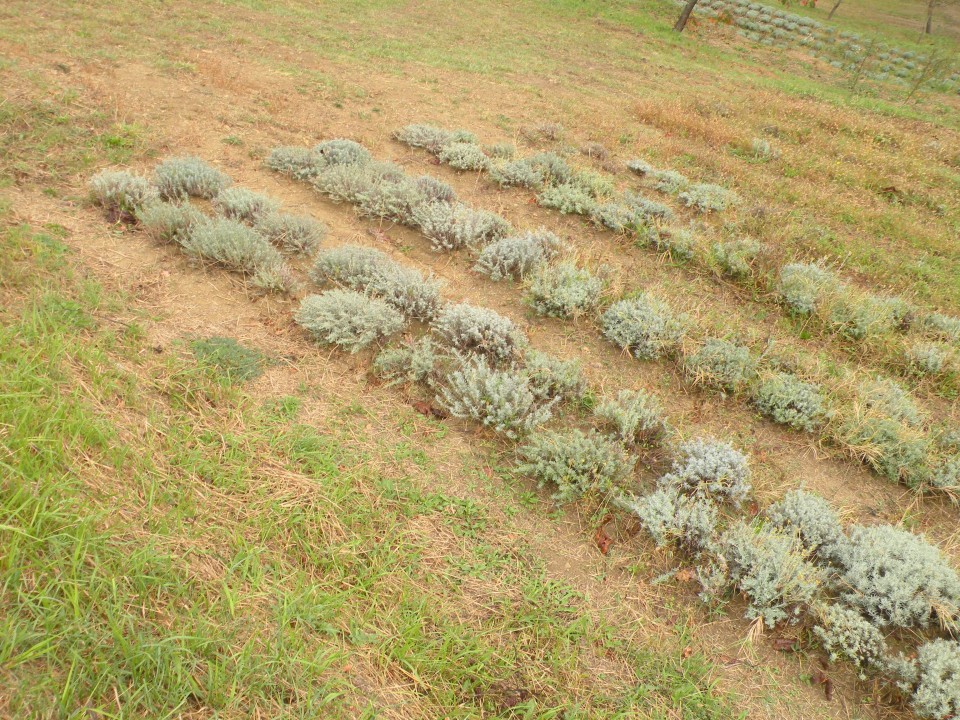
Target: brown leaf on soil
[(425, 408), (784, 644), (603, 540), (821, 678)]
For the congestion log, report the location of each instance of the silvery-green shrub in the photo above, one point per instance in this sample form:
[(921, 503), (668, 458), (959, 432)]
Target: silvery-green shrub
[(928, 358), (427, 137), (342, 152), (707, 197), (371, 271), (347, 318), (396, 200), (181, 177), (940, 325), (237, 203), (721, 364), (480, 331), (856, 316), (434, 190), (640, 166), (812, 518), (618, 217), (893, 449), (352, 182), (236, 247), (771, 568), (890, 399), (595, 184), (464, 156), (518, 173), (516, 256), (414, 362), (846, 635), (710, 468), (500, 399), (946, 476), (803, 286), (552, 168), (451, 226), (567, 198), (788, 400), (167, 222), (735, 258), (636, 417), (648, 208), (679, 243), (671, 517), (575, 463), (669, 181), (645, 326), (501, 151), (937, 694), (299, 163), (294, 233), (563, 290), (122, 192), (896, 578), (551, 378)]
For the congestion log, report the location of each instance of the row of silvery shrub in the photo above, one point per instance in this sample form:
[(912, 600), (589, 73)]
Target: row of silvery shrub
[(648, 328)]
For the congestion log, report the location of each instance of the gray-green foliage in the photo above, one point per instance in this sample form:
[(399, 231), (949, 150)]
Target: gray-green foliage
[(645, 326), (928, 358), (937, 694), (679, 243), (892, 448), (429, 137), (371, 271), (636, 416), (500, 399), (392, 198), (640, 166), (947, 476), (293, 233), (856, 316), (347, 318), (575, 462), (721, 364), (519, 173), (671, 517), (501, 151), (122, 192), (771, 568), (515, 256), (342, 152), (803, 286), (167, 222), (236, 247), (415, 362), (451, 226), (646, 207), (298, 162), (552, 169), (896, 578), (564, 290), (942, 326), (233, 362), (352, 182), (238, 203), (846, 635), (181, 177), (567, 198), (434, 190), (710, 468), (618, 217), (735, 258), (464, 156), (707, 197), (890, 399), (551, 378), (788, 400), (480, 331), (669, 181), (596, 185), (812, 518)]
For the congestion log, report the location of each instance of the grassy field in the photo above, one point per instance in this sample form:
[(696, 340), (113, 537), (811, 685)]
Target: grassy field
[(262, 530)]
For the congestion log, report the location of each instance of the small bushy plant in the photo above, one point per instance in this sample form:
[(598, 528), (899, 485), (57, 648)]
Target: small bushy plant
[(640, 166), (812, 518), (393, 199), (567, 198), (894, 450), (618, 217), (342, 152), (708, 198), (721, 364), (946, 476), (846, 635), (896, 578), (451, 226), (552, 169), (299, 163), (671, 517), (352, 182), (415, 362), (237, 203), (501, 151), (347, 318), (937, 694), (788, 400), (645, 326), (856, 316), (293, 233), (735, 258), (551, 378), (803, 286), (635, 416), (564, 290), (479, 331), (428, 137), (710, 468), (928, 358), (650, 209), (679, 244), (121, 192), (669, 181), (464, 156), (595, 184), (434, 190), (942, 326), (575, 463), (890, 399), (181, 177), (236, 247), (515, 256), (518, 173), (771, 569), (167, 222), (500, 399)]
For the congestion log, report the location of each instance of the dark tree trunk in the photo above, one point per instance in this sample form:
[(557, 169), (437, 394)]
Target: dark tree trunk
[(685, 15), (929, 26), (834, 9)]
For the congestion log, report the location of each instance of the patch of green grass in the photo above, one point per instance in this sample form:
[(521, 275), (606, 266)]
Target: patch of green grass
[(228, 359)]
